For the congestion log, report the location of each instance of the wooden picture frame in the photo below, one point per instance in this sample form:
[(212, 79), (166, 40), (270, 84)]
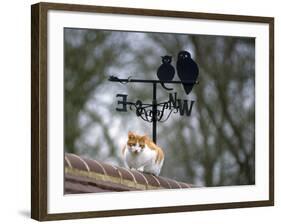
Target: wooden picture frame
[(40, 103)]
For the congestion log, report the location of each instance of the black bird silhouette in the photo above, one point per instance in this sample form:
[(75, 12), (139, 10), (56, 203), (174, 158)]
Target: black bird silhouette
[(166, 71), (187, 70)]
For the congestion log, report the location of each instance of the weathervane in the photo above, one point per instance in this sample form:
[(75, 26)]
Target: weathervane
[(187, 71)]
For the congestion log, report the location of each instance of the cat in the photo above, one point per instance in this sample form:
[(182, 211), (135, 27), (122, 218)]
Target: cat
[(142, 154)]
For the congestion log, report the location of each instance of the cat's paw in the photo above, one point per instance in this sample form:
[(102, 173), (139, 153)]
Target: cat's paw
[(140, 169)]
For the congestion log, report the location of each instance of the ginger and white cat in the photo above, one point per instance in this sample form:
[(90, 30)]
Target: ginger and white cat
[(142, 154)]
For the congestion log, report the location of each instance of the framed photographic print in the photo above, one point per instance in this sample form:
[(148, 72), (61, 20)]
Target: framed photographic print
[(139, 111)]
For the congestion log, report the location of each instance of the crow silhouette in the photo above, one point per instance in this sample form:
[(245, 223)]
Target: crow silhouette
[(187, 70), (166, 71)]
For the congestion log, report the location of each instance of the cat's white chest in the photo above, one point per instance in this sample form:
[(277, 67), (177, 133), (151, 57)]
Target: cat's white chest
[(138, 159), (144, 160)]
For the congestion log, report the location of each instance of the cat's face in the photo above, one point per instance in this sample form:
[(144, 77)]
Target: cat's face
[(136, 143)]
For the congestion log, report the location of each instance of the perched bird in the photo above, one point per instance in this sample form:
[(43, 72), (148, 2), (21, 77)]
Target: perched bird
[(166, 71), (187, 70)]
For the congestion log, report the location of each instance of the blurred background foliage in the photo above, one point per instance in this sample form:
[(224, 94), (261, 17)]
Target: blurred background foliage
[(215, 146)]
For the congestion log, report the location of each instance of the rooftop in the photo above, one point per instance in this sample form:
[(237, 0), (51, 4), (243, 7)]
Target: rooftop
[(86, 175)]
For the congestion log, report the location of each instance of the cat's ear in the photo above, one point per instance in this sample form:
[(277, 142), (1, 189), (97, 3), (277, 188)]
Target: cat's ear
[(145, 137), (130, 133)]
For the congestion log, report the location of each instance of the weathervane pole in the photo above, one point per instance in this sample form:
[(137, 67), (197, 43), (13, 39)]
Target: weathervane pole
[(154, 113)]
